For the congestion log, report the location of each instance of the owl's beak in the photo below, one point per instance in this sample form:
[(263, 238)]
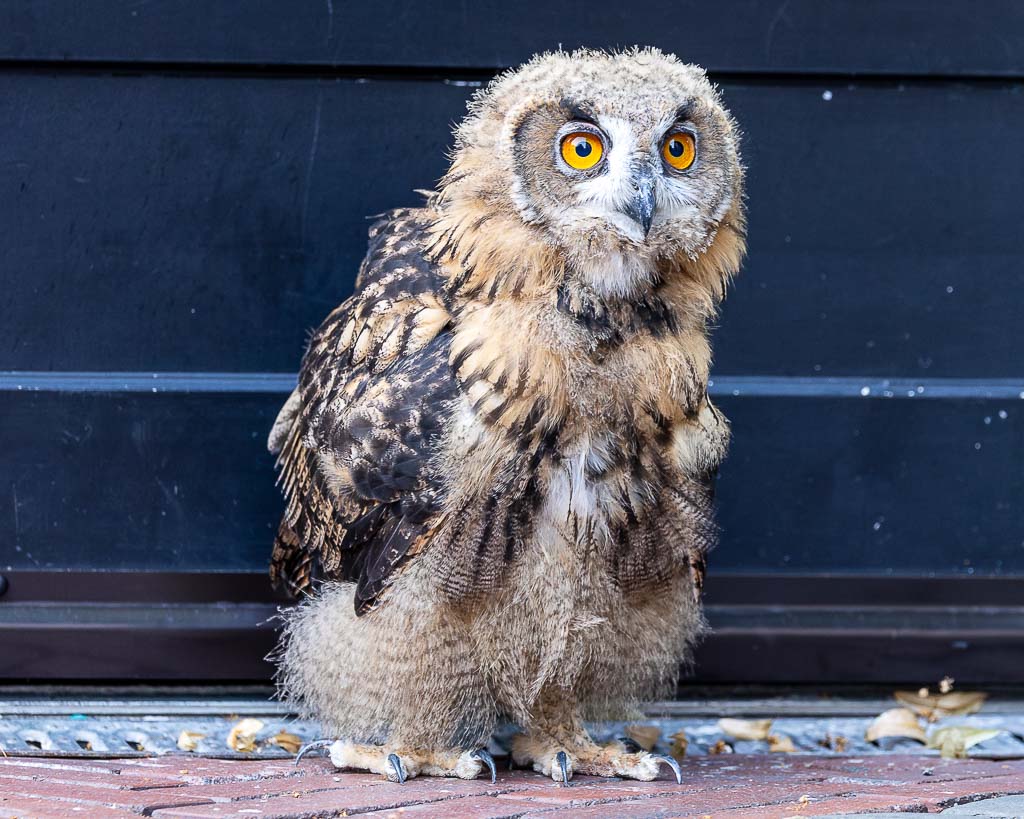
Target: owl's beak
[(640, 207)]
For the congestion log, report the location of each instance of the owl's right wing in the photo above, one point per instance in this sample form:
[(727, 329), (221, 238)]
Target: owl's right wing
[(356, 437)]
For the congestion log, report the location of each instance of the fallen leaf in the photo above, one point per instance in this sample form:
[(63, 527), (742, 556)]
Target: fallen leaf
[(646, 736), (954, 740), (243, 735), (679, 745), (746, 728), (290, 742), (896, 722), (780, 743), (720, 747), (936, 706), (189, 740)]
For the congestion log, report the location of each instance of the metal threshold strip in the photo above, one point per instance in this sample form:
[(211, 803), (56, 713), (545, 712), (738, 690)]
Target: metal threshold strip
[(104, 723)]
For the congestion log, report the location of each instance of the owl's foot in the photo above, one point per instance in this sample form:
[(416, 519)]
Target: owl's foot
[(399, 764), (561, 760)]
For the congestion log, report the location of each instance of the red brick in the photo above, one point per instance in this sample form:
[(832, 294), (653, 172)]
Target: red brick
[(259, 788), (82, 779), (944, 793), (466, 808), (98, 766), (381, 795), (129, 800), (21, 807), (198, 770)]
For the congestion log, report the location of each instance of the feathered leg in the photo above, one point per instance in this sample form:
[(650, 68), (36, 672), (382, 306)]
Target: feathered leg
[(396, 686), (398, 764), (557, 744)]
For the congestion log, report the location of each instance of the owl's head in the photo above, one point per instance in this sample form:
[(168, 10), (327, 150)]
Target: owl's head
[(624, 162)]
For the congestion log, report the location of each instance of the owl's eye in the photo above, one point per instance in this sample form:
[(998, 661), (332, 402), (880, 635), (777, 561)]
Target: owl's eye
[(582, 150), (679, 150)]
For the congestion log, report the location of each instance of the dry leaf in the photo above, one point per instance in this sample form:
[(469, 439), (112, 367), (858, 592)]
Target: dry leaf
[(746, 728), (896, 722), (946, 685), (936, 706), (954, 740), (781, 743), (189, 740), (720, 747), (679, 745), (835, 743), (646, 736), (243, 735), (290, 742)]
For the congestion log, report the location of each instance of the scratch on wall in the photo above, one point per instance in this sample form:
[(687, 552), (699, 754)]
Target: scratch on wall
[(309, 166)]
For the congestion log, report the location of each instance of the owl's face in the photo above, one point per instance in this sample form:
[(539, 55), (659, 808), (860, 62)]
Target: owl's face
[(621, 159)]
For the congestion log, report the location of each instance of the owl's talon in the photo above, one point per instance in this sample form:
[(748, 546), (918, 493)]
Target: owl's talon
[(630, 744), (312, 746), (396, 763), (672, 763), (488, 760), (563, 763)]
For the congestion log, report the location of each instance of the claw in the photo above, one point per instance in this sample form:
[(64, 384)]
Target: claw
[(563, 762), (396, 763), (312, 746), (671, 762), (488, 760), (630, 744)]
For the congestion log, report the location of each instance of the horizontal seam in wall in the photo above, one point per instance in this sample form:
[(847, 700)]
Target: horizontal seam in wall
[(474, 74), (748, 386)]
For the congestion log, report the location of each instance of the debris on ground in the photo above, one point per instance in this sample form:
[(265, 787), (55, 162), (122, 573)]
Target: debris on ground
[(680, 743), (780, 743), (934, 707), (753, 729), (189, 740), (896, 722), (243, 733), (290, 742), (953, 741), (646, 736)]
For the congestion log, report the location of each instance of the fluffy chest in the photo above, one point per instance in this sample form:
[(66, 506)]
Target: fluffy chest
[(594, 429)]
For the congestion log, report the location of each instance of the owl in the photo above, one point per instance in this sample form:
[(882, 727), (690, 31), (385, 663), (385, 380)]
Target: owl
[(498, 460)]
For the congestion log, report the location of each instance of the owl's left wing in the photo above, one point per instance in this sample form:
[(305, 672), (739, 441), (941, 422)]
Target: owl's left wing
[(357, 436)]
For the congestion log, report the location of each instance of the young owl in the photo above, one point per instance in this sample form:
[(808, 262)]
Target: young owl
[(499, 455)]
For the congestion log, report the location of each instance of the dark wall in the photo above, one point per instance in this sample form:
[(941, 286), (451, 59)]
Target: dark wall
[(183, 193)]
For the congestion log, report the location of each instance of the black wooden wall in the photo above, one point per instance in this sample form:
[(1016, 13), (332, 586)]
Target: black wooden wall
[(183, 192)]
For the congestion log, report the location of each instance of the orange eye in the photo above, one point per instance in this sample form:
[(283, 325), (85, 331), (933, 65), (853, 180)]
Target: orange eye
[(679, 150), (582, 150)]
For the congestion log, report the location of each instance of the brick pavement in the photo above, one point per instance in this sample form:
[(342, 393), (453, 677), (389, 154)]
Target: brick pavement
[(723, 787)]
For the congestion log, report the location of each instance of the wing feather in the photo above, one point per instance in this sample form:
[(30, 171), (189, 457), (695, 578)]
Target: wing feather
[(355, 439)]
